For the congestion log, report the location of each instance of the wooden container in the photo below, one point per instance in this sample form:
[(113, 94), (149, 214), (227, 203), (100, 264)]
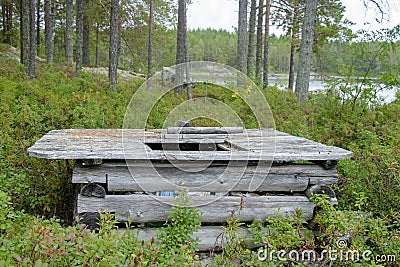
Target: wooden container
[(133, 173)]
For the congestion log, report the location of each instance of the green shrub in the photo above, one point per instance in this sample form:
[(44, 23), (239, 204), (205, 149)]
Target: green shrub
[(177, 246), (29, 241)]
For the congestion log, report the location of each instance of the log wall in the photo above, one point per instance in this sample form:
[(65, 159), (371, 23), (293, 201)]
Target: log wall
[(124, 171)]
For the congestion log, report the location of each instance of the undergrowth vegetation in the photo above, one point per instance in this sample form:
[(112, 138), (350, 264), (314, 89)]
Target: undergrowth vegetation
[(36, 196)]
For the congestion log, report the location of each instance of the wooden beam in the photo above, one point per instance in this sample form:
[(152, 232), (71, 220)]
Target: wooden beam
[(143, 208), (129, 144), (211, 238), (218, 177), (204, 130)]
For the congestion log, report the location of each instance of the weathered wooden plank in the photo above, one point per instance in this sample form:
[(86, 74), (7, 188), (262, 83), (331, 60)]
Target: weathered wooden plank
[(204, 130), (129, 144), (323, 180), (149, 208), (217, 136), (211, 238), (139, 176), (182, 155), (210, 180)]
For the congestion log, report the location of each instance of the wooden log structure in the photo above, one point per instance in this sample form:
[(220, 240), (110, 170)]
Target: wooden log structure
[(253, 173)]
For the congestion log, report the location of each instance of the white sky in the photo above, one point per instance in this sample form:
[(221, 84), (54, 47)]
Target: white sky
[(223, 14)]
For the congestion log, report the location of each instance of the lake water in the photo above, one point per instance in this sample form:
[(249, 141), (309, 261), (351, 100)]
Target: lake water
[(388, 96)]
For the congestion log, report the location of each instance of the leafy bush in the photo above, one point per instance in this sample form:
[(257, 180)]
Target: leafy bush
[(177, 246), (29, 241)]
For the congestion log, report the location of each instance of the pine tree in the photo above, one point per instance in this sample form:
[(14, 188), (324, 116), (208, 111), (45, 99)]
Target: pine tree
[(69, 11), (114, 44), (49, 34), (305, 56), (242, 36)]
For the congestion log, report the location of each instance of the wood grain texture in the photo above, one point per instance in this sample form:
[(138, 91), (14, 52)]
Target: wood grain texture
[(211, 238), (153, 177), (204, 130), (265, 144), (149, 208)]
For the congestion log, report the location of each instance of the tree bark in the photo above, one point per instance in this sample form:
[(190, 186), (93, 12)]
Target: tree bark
[(181, 34), (32, 41), (259, 42), (307, 40), (114, 43), (86, 35), (97, 46), (4, 18), (7, 23), (150, 45), (69, 11), (49, 34), (250, 50), (38, 25), (79, 36), (242, 36), (24, 31), (266, 43), (293, 45), (181, 48), (188, 84)]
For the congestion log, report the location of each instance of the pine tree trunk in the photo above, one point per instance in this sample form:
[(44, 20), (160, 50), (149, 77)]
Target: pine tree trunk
[(97, 46), (293, 46), (307, 41), (49, 35), (242, 36), (259, 42), (180, 41), (24, 31), (86, 36), (6, 11), (181, 47), (266, 44), (32, 41), (114, 44), (69, 11), (38, 19), (9, 24), (79, 36), (291, 64), (188, 83), (150, 45), (4, 18), (250, 50)]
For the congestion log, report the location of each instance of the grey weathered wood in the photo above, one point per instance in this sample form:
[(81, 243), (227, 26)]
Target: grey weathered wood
[(139, 176), (108, 144), (211, 238), (149, 208), (323, 180), (204, 130), (230, 161), (92, 162), (238, 135)]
